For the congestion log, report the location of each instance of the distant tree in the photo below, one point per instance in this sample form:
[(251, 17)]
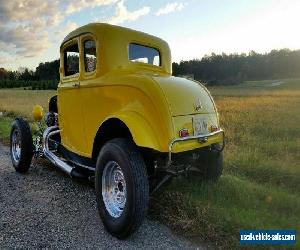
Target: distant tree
[(3, 74), (235, 68), (48, 71)]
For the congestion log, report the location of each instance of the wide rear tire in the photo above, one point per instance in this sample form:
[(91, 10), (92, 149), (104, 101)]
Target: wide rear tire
[(212, 165), (122, 189), (209, 166), (21, 145)]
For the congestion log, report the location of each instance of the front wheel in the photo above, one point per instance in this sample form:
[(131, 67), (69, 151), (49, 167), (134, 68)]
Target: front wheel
[(122, 189), (21, 145)]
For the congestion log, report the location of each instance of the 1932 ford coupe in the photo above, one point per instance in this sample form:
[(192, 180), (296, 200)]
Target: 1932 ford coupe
[(119, 118)]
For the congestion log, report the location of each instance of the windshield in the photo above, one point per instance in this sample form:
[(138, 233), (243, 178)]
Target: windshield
[(144, 54)]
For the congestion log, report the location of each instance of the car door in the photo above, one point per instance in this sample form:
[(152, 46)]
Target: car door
[(69, 99)]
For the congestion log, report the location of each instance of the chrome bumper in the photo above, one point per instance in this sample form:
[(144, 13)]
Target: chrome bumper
[(201, 138)]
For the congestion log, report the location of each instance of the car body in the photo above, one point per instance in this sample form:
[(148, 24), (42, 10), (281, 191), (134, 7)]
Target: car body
[(117, 98), (138, 95)]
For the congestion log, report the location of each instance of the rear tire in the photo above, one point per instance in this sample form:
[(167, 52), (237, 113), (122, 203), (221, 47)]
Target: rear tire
[(21, 145), (214, 164), (122, 189), (210, 165)]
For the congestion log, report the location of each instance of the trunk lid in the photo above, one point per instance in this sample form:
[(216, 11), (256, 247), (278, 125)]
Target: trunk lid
[(186, 97)]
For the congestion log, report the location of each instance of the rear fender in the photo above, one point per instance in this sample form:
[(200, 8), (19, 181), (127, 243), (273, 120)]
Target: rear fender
[(142, 131)]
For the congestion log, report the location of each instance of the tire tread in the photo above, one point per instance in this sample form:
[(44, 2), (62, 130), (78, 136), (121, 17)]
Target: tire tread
[(141, 185), (26, 145)]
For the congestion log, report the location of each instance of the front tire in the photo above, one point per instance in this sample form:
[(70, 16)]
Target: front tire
[(21, 145), (122, 189)]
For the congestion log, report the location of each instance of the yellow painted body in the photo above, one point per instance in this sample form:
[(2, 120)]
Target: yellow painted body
[(153, 104)]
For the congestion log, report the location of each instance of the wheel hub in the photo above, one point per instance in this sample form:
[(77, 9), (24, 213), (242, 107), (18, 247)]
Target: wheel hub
[(113, 189), (16, 145)]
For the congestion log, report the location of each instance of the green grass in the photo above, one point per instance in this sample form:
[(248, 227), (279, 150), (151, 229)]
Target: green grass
[(260, 186), (5, 123), (20, 102), (215, 212)]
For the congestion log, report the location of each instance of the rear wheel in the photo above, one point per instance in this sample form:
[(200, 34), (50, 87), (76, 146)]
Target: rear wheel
[(210, 164), (122, 189), (213, 166), (21, 145)]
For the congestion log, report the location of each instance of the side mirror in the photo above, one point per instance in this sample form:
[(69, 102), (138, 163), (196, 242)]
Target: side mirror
[(38, 113)]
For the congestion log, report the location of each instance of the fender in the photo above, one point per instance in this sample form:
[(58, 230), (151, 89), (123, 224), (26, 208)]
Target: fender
[(142, 131)]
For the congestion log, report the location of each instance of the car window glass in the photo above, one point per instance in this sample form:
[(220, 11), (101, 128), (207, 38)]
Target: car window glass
[(144, 54), (90, 56), (71, 60)]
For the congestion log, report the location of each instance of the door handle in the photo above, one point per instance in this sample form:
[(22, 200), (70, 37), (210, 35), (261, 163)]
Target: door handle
[(76, 85)]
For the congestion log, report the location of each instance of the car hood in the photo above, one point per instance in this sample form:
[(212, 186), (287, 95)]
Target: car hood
[(185, 97)]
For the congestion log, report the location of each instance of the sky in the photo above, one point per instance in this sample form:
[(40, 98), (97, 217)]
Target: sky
[(31, 30)]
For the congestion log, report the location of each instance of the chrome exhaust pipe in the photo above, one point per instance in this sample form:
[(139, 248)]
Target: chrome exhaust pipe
[(50, 155)]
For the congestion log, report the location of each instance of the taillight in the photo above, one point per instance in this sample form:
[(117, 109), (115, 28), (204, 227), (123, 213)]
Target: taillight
[(183, 132)]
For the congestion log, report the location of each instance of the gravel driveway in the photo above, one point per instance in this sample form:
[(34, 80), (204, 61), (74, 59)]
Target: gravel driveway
[(46, 209)]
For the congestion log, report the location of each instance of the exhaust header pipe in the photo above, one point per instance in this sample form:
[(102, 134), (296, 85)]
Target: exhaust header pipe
[(50, 155)]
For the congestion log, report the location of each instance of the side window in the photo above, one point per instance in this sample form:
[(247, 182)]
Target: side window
[(71, 60), (90, 59), (144, 54)]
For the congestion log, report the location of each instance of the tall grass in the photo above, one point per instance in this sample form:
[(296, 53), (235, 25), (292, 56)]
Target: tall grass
[(260, 187)]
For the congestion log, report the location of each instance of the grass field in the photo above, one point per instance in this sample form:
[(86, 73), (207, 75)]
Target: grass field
[(260, 186), (21, 102)]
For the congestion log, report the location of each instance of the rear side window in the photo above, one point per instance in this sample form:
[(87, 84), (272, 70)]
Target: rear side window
[(144, 54), (71, 60), (90, 59)]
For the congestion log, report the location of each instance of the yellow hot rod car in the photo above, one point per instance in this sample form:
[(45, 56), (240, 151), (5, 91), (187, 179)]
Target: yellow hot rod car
[(121, 119)]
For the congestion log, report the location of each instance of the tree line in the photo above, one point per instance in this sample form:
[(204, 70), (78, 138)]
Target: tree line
[(45, 76), (214, 69), (226, 69)]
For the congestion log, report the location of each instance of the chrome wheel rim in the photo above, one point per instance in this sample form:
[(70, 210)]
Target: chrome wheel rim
[(113, 189), (16, 145)]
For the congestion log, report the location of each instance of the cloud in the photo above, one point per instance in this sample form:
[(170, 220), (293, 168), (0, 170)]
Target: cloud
[(23, 25), (55, 19), (79, 5), (170, 7), (60, 34), (122, 14), (28, 26), (25, 10), (4, 60), (25, 40)]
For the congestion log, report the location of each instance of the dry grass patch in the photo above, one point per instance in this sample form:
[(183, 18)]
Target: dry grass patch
[(21, 101)]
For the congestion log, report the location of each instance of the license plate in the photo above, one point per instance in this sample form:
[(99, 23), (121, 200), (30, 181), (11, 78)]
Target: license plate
[(200, 125)]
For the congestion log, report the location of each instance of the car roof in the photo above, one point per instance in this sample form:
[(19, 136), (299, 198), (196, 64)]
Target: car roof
[(116, 39), (96, 28)]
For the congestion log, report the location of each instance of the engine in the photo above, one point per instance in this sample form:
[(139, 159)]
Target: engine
[(51, 119)]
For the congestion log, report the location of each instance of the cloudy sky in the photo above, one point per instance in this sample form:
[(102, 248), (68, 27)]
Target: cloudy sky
[(31, 30)]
